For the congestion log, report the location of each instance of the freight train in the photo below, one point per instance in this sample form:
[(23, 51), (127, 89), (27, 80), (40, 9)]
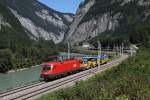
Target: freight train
[(55, 67)]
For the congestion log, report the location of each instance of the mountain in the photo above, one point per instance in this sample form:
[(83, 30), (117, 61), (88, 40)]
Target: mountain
[(129, 19), (35, 19)]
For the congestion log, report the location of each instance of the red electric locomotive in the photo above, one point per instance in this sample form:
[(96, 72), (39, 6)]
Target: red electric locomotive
[(55, 67)]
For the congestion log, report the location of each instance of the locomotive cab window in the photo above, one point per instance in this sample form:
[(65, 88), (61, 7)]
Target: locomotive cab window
[(47, 68)]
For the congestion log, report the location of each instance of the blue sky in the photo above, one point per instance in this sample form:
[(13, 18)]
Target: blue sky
[(66, 6)]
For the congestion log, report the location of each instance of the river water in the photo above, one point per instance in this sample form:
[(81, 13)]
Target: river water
[(15, 79)]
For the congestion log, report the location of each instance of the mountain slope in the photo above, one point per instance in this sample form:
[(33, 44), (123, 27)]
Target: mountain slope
[(117, 17), (39, 20), (12, 34)]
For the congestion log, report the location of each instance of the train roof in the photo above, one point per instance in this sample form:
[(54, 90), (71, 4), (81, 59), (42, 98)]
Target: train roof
[(55, 56), (96, 57)]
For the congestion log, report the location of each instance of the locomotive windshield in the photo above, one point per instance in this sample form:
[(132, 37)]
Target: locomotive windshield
[(47, 67)]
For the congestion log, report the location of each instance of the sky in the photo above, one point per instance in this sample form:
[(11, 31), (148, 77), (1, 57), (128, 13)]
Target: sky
[(65, 6)]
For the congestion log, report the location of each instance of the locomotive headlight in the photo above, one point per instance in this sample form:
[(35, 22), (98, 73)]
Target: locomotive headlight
[(52, 66)]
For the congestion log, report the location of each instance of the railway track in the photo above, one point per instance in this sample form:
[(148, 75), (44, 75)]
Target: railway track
[(18, 89), (35, 90)]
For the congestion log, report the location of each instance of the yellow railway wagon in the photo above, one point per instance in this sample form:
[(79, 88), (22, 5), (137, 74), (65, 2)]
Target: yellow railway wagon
[(93, 61)]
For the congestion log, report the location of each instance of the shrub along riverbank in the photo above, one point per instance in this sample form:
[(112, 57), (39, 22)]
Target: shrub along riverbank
[(128, 81)]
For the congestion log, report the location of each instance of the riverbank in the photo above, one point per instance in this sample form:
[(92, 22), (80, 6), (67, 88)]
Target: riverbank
[(13, 70)]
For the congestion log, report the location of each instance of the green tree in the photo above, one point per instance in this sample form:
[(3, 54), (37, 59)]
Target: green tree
[(5, 60)]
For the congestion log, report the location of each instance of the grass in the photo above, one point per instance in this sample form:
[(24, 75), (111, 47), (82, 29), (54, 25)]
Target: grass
[(128, 81)]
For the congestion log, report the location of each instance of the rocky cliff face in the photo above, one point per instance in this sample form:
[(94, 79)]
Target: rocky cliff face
[(97, 16), (38, 20), (3, 22), (78, 18)]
